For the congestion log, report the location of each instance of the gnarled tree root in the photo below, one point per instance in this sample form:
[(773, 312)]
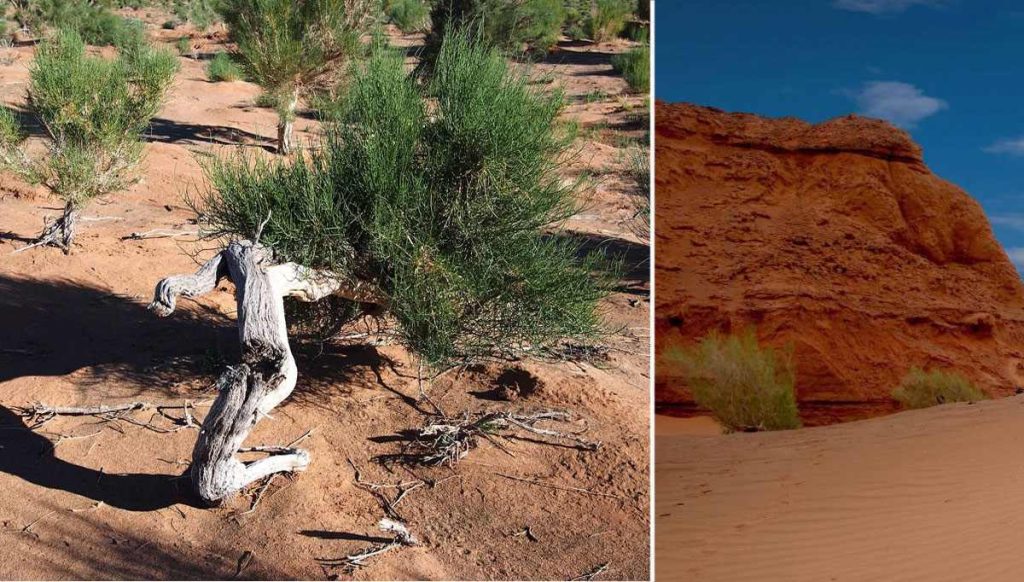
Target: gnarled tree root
[(267, 373)]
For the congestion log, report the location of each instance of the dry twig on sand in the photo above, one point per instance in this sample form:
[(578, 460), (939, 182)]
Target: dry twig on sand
[(352, 562), (446, 441), (594, 573), (39, 414)]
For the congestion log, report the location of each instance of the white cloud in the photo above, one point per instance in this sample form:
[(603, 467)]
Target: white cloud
[(1015, 221), (883, 6), (1012, 146), (900, 103), (1017, 257)]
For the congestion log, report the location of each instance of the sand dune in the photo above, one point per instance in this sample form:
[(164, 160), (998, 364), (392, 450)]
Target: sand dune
[(928, 495)]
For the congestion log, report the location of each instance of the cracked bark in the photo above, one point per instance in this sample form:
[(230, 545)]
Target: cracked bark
[(267, 373)]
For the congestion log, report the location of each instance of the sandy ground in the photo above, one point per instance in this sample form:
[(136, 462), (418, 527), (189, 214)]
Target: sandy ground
[(101, 500), (932, 495)]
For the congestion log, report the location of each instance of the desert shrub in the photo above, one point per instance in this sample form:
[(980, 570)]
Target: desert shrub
[(409, 15), (288, 47), (201, 13), (745, 386), (94, 22), (184, 46), (638, 160), (95, 111), (266, 100), (921, 389), (441, 194), (532, 25), (607, 19), (222, 68), (635, 67)]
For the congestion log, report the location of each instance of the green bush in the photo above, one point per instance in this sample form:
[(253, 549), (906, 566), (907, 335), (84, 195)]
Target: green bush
[(921, 389), (184, 46), (92, 21), (635, 67), (290, 47), (532, 25), (608, 18), (409, 15), (746, 387), (201, 13), (95, 111), (222, 68), (440, 193), (638, 159)]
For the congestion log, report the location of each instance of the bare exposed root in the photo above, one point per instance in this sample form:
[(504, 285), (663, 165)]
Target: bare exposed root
[(402, 537), (267, 374), (58, 233), (39, 414), (446, 441)]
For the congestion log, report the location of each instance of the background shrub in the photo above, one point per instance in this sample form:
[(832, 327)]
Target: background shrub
[(635, 67), (290, 47), (920, 389), (608, 18), (448, 212), (95, 111), (94, 22), (746, 387), (222, 68), (201, 13), (533, 25), (638, 160), (409, 15)]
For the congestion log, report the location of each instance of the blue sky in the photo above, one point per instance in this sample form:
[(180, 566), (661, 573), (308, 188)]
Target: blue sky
[(951, 72)]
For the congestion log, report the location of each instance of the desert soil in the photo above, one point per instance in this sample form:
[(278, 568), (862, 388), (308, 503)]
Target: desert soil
[(929, 494), (90, 499)]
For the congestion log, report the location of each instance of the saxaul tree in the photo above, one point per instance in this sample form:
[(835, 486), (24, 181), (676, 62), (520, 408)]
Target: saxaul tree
[(436, 200), (94, 112), (289, 47)]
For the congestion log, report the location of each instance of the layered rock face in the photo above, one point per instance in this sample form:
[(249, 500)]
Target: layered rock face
[(834, 238)]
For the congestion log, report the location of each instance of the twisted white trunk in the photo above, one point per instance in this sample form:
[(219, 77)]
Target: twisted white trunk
[(267, 374)]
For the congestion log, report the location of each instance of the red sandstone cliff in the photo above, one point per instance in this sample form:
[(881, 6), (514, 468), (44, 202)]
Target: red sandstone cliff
[(835, 238)]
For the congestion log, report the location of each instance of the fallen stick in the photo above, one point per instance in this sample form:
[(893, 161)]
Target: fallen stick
[(159, 233)]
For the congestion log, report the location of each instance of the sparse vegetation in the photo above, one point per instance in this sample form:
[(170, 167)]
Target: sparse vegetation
[(222, 69), (491, 151), (745, 386), (635, 67), (409, 15), (94, 22), (921, 389), (607, 19), (513, 27), (201, 13), (95, 111), (638, 159), (184, 46), (289, 47)]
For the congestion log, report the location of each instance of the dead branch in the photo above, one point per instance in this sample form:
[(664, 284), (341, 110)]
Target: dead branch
[(445, 441), (352, 562), (159, 233)]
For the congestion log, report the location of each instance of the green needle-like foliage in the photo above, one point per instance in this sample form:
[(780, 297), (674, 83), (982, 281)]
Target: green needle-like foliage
[(94, 111), (921, 389), (635, 67), (442, 194), (290, 46), (510, 26)]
